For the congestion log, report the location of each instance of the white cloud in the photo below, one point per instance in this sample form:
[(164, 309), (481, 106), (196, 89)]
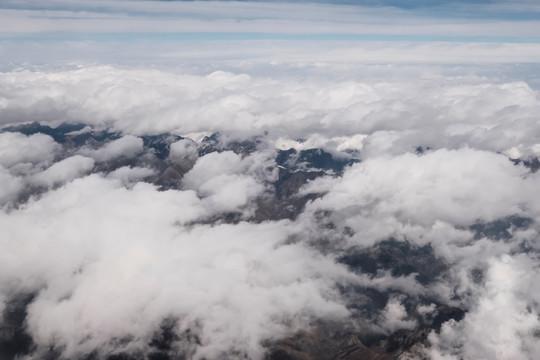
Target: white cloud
[(10, 186), (18, 149), (503, 320), (130, 175), (379, 197), (184, 148), (395, 317), (116, 240), (227, 181), (112, 262), (390, 115), (63, 171), (127, 146)]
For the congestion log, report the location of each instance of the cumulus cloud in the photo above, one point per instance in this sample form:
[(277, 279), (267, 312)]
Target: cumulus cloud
[(127, 146), (18, 150), (11, 185), (184, 148), (129, 175), (383, 196), (503, 320), (124, 249), (395, 316), (398, 114), (63, 171), (430, 228), (227, 181)]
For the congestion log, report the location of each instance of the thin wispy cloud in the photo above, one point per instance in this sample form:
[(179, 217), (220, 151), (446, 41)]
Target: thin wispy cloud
[(279, 18), (179, 24)]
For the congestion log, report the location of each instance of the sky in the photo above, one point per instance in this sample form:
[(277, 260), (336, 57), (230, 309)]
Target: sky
[(432, 105), (194, 31)]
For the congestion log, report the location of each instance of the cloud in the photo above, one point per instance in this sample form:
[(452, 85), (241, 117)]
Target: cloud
[(398, 114), (124, 248), (11, 185), (503, 320), (394, 316), (205, 32), (63, 171), (17, 149), (130, 175), (262, 17), (438, 186), (228, 181), (184, 148), (127, 146), (443, 223), (224, 54)]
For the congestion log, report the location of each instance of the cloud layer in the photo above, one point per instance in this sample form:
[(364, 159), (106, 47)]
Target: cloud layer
[(398, 114), (177, 204), (195, 32)]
